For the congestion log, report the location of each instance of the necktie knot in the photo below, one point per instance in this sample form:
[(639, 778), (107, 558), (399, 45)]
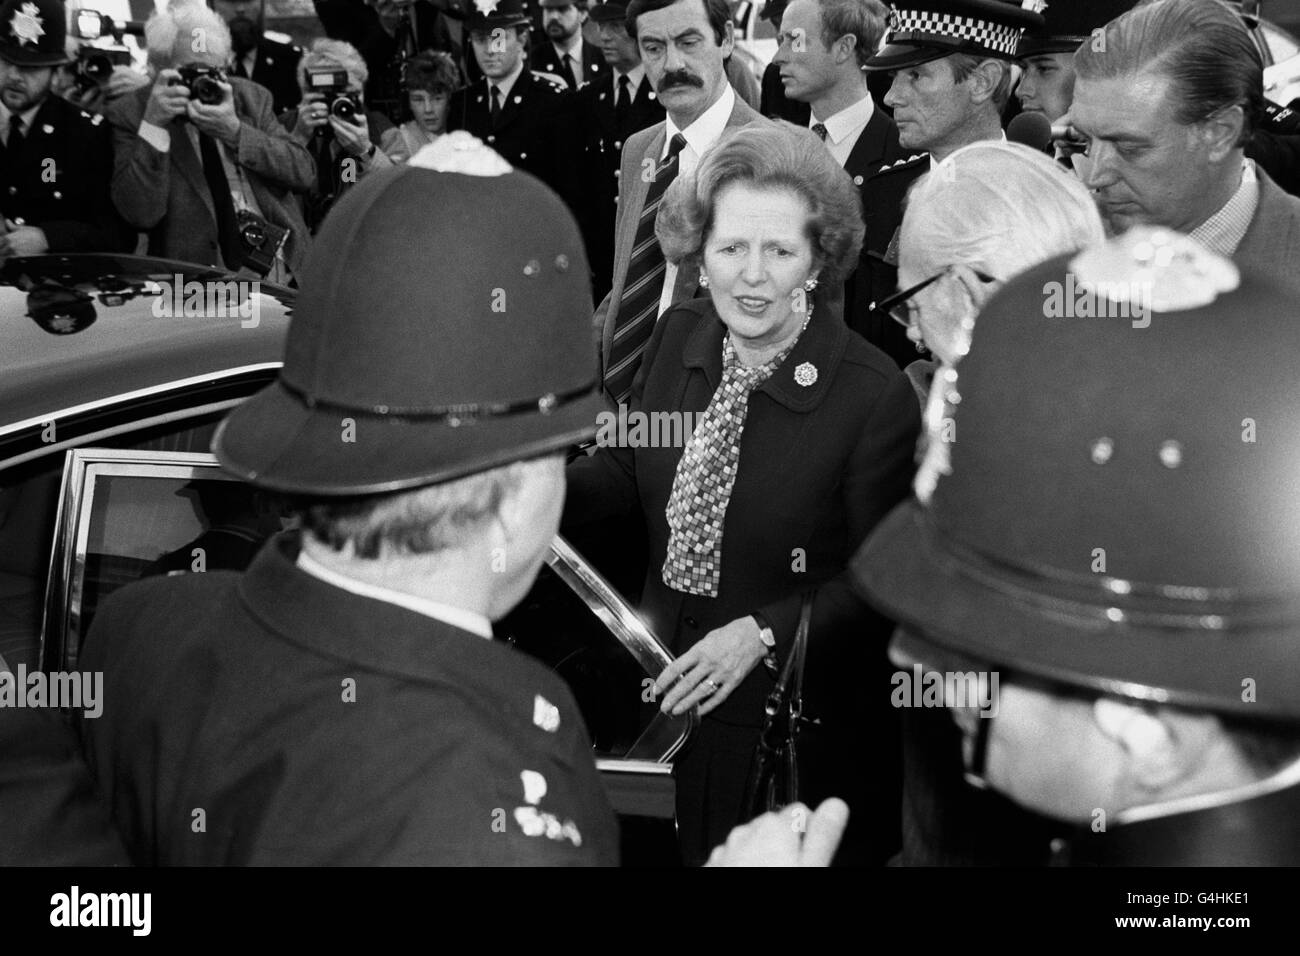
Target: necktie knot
[(676, 145), (820, 130)]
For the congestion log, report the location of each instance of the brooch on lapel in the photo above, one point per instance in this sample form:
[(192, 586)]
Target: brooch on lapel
[(806, 374)]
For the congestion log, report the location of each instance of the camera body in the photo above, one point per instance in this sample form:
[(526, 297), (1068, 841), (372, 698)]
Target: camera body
[(333, 85), (203, 83), (94, 65)]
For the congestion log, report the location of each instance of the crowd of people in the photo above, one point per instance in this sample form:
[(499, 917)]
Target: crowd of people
[(832, 276)]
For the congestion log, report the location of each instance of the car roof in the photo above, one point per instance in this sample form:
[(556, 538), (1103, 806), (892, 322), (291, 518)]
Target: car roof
[(141, 331)]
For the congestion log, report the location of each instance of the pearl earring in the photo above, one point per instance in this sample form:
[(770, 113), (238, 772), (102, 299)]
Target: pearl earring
[(704, 281), (810, 284)]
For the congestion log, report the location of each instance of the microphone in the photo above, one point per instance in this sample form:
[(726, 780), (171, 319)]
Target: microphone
[(1032, 130)]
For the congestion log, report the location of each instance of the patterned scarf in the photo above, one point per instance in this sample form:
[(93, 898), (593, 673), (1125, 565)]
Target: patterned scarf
[(705, 476)]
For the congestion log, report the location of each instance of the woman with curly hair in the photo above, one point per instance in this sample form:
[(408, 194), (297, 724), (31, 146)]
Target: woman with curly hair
[(803, 439), (429, 79)]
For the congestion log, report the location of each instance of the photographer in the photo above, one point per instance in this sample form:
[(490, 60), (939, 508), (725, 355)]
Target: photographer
[(55, 159), (100, 67), (345, 139), (201, 162)]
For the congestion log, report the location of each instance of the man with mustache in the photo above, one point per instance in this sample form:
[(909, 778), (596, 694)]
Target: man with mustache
[(683, 45), (265, 62), (55, 159), (567, 56)]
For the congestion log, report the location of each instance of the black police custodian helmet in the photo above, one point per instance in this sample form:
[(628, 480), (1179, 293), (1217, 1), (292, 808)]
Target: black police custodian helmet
[(33, 32), (490, 14), (924, 30), (1068, 23), (1120, 508), (444, 328)]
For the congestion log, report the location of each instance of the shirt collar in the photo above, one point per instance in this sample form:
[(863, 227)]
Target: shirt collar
[(28, 115), (708, 126), (1224, 231), (849, 120), (576, 52), (455, 616), (634, 78), (508, 83)]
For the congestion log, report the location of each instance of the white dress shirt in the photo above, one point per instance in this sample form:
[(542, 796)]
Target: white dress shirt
[(700, 137), (506, 84), (634, 78), (844, 127), (576, 55), (470, 621)]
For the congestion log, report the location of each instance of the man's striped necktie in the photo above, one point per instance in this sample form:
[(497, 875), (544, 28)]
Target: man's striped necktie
[(639, 306)]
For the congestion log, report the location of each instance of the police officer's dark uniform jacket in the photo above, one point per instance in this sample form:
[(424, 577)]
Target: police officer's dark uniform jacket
[(602, 139), (535, 131), (55, 175), (59, 180), (436, 760), (546, 59)]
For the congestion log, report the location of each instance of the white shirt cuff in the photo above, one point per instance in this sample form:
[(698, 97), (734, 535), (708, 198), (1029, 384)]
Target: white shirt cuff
[(155, 136)]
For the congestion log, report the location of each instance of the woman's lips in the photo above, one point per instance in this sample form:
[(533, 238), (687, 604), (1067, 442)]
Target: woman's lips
[(752, 304)]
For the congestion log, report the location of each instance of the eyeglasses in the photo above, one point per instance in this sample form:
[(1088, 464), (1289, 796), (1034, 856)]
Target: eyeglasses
[(899, 305)]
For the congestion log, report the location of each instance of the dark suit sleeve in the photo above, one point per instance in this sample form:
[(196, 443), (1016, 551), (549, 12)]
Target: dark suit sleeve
[(879, 476), (141, 174), (603, 485), (267, 149), (100, 229)]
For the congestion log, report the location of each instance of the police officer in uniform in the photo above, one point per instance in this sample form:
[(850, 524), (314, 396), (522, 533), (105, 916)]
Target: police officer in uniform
[(526, 118), (56, 160), (1114, 538), (609, 110), (579, 64), (343, 700)]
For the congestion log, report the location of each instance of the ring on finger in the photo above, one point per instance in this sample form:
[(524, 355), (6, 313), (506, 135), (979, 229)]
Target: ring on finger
[(713, 687)]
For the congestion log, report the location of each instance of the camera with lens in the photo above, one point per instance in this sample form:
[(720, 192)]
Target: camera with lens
[(261, 240), (203, 82), (94, 65), (333, 85)]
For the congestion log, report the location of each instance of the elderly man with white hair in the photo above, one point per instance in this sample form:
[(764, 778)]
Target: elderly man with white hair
[(200, 161), (988, 212)]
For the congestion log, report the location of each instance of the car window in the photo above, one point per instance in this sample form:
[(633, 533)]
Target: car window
[(127, 515)]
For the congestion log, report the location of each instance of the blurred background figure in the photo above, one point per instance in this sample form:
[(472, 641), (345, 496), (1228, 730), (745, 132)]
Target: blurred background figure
[(200, 161), (65, 207), (610, 110), (258, 58), (429, 79), (346, 140), (987, 213), (803, 438), (563, 53)]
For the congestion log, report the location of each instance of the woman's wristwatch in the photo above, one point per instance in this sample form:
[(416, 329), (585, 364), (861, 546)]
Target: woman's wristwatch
[(768, 638)]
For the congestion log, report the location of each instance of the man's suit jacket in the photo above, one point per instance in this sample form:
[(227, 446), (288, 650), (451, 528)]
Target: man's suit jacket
[(545, 59), (318, 727), (641, 149), (276, 68), (602, 145), (167, 195), (883, 171), (1272, 242), (69, 201)]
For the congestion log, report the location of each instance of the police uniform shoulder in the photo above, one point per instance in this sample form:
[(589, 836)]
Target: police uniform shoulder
[(547, 83), (283, 49), (906, 163)]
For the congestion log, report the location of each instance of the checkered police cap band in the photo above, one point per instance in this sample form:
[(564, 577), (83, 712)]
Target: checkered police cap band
[(946, 29)]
